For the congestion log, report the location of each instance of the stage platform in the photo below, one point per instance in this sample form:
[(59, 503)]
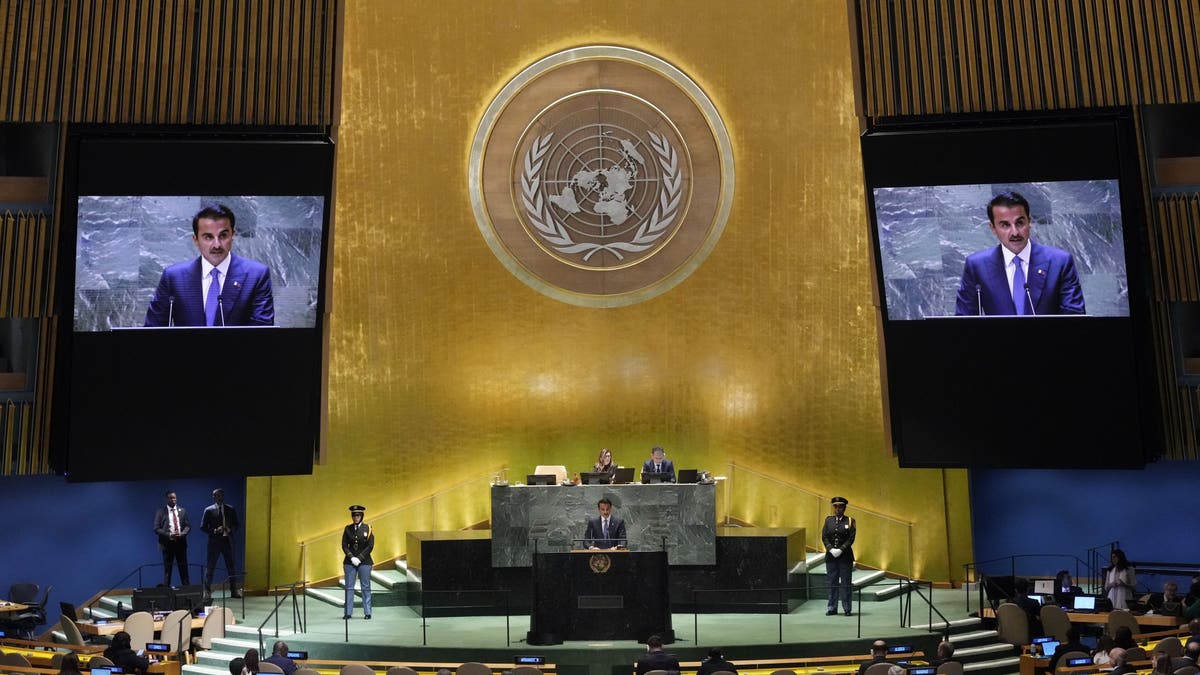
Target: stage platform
[(399, 634)]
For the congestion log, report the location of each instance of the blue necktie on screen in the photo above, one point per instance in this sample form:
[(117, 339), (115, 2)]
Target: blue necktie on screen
[(1018, 287), (214, 292)]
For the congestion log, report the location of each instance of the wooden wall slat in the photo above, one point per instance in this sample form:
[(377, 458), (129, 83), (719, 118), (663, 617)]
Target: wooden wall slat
[(198, 61)]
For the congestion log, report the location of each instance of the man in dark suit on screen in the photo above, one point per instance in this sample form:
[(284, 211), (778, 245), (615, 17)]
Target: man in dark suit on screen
[(172, 526), (1018, 277), (217, 288), (607, 530)]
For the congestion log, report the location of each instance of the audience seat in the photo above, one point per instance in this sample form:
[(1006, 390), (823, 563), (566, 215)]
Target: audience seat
[(950, 668), (473, 668), (405, 670), (1171, 646), (1118, 618), (880, 668), (1055, 622), (264, 667), (356, 669), (70, 630), (1012, 624), (140, 626), (177, 630)]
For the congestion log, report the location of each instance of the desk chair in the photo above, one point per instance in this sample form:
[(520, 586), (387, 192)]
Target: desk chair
[(70, 630), (140, 626), (652, 672), (304, 671), (880, 668), (950, 668), (723, 672), (214, 627), (474, 668), (99, 662), (264, 667), (1187, 670), (1118, 618), (559, 471), (354, 669), (1012, 624), (784, 671), (1073, 654), (530, 670), (173, 632), (1171, 646), (1055, 622), (405, 670), (13, 660)]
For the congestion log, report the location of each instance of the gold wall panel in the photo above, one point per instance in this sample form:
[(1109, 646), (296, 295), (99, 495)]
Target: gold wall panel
[(444, 366)]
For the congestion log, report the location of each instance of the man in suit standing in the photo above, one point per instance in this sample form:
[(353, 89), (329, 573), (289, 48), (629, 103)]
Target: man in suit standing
[(838, 536), (219, 522), (217, 288), (357, 543), (659, 464), (605, 531), (656, 658), (172, 526), (1018, 277)]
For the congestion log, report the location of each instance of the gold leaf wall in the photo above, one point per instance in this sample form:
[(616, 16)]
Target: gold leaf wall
[(443, 366)]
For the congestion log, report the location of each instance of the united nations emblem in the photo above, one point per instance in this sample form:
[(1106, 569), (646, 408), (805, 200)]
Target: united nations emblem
[(601, 176), (600, 563)]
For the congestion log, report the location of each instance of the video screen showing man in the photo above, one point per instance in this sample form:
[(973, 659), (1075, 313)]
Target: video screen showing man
[(217, 288), (1018, 277)]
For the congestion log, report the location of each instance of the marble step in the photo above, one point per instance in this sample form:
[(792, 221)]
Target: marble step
[(956, 624), (993, 650), (198, 669)]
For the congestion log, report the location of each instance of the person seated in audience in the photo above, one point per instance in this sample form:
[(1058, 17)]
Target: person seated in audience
[(1065, 588), (1032, 609), (1124, 638), (656, 658), (1072, 645), (1168, 602), (280, 658), (1100, 657), (945, 653), (1162, 664), (236, 664), (715, 663), (1116, 657), (250, 660), (121, 654), (69, 664), (878, 654), (1187, 659)]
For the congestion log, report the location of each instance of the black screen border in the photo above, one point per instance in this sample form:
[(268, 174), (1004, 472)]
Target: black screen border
[(283, 435), (1017, 148)]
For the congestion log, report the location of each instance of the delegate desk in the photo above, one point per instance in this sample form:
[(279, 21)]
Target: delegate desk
[(555, 515), (600, 595), (113, 627), (1102, 617)]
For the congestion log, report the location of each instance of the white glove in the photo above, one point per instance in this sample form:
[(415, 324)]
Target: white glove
[(835, 552), (354, 561)]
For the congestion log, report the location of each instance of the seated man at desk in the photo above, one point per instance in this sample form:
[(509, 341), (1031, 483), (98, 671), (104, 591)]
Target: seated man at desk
[(605, 531), (658, 463)]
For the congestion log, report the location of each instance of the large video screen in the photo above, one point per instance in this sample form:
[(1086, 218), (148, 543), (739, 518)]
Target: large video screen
[(943, 255), (192, 268), (1011, 267), (139, 262)]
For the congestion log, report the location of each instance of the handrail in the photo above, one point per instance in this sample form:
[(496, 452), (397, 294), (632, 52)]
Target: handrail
[(818, 495), (325, 537), (914, 586), (291, 593), (506, 593), (981, 578), (783, 596)]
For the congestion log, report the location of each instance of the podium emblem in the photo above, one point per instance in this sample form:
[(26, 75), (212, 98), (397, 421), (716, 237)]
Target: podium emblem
[(600, 563), (601, 176)]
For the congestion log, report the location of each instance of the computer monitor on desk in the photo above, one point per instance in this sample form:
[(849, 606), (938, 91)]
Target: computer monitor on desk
[(623, 475), (595, 478), (541, 479), (652, 477)]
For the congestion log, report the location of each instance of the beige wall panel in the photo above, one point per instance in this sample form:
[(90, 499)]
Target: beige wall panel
[(444, 366)]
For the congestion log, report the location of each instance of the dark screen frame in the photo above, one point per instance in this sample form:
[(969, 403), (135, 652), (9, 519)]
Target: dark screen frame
[(188, 402), (1074, 391)]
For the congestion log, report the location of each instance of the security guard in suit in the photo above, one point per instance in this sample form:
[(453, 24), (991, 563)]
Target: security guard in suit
[(838, 537), (357, 542)]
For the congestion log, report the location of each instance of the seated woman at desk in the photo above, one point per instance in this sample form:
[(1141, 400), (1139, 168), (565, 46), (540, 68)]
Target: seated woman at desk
[(121, 654), (604, 464), (1065, 588)]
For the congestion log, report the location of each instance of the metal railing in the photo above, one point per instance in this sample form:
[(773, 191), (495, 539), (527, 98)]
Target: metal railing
[(758, 497), (911, 587), (1005, 570), (299, 610)]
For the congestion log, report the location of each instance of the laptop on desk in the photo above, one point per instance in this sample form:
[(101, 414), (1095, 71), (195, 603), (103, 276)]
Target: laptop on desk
[(1084, 603), (623, 475), (688, 475), (594, 478)]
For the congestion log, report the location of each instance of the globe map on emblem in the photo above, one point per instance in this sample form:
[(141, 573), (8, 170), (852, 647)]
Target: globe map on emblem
[(601, 176)]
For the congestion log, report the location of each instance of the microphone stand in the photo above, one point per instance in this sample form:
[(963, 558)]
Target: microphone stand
[(1029, 297)]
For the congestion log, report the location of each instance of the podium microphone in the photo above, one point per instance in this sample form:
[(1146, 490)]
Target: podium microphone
[(171, 311), (979, 298), (221, 306), (1029, 297)]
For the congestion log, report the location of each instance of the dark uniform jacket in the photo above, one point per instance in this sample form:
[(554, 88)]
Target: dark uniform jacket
[(839, 534), (357, 542)]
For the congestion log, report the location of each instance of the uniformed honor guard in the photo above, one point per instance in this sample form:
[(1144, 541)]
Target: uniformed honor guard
[(838, 537), (357, 542)]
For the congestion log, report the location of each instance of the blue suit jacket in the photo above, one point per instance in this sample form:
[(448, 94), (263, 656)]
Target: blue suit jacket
[(593, 535), (246, 296), (1053, 283), (668, 467)]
